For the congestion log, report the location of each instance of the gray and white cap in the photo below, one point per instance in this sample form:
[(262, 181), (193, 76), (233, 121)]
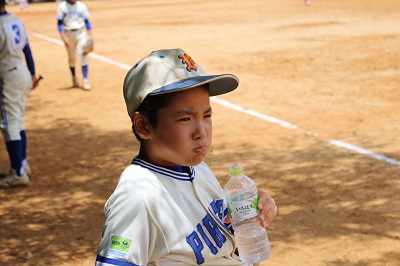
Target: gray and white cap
[(166, 71)]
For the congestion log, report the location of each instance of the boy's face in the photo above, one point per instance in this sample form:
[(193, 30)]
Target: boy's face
[(183, 134)]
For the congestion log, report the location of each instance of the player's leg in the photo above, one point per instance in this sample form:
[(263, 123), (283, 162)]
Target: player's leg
[(12, 105), (25, 164), (72, 55), (83, 60), (22, 132), (86, 84), (9, 126)]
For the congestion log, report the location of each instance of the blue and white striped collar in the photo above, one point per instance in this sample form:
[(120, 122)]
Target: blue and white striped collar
[(165, 171)]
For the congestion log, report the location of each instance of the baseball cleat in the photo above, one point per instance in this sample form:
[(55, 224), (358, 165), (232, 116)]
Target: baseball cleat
[(86, 85), (27, 170), (75, 82), (12, 180), (7, 171)]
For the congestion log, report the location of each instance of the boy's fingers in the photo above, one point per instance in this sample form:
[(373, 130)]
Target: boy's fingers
[(262, 198), (272, 211), (267, 207), (268, 212)]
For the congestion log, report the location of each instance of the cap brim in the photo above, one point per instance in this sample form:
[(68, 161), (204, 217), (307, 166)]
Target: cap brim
[(218, 84)]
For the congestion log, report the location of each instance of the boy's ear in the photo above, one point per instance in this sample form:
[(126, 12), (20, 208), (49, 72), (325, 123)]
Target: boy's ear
[(140, 125)]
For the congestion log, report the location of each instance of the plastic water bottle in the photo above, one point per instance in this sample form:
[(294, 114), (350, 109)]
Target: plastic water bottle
[(250, 237)]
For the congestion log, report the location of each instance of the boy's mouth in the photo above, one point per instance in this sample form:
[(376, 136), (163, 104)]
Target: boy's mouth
[(200, 150)]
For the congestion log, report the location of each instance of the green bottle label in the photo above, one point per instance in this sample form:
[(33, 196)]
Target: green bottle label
[(243, 209)]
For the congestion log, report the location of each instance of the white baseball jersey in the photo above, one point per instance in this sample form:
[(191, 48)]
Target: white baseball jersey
[(72, 15), (157, 216)]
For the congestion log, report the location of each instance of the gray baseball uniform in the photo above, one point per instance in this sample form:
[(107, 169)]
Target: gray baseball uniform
[(15, 78), (73, 17)]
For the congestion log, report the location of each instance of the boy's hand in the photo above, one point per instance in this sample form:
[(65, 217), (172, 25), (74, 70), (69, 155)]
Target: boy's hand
[(267, 207)]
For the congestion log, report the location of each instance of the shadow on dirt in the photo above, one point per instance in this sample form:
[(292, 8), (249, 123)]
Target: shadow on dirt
[(321, 193), (75, 170)]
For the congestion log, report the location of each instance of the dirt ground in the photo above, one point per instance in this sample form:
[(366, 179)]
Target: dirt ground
[(331, 69)]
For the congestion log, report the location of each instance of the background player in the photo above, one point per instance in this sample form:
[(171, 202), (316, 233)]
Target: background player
[(16, 81), (73, 17), (168, 207), (23, 4)]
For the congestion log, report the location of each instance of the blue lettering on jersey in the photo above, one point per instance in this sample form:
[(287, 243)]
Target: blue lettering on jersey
[(218, 208), (74, 14), (197, 246), (17, 31), (214, 231), (213, 249), (196, 239)]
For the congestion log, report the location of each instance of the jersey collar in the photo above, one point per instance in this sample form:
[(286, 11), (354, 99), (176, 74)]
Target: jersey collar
[(173, 172)]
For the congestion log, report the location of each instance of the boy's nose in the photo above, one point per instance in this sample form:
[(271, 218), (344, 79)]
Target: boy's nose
[(200, 131)]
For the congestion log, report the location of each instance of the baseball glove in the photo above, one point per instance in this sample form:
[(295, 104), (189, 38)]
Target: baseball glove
[(88, 47)]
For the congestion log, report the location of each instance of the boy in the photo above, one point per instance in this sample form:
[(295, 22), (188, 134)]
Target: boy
[(17, 79), (72, 18), (168, 208)]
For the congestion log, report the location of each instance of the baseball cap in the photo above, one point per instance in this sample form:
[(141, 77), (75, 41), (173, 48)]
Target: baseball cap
[(170, 70)]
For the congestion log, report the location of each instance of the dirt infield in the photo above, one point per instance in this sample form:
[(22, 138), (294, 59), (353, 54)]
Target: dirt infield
[(331, 69)]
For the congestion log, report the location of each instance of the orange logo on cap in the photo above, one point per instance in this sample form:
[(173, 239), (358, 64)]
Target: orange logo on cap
[(190, 64)]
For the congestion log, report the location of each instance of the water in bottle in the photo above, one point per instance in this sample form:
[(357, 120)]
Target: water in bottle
[(250, 237)]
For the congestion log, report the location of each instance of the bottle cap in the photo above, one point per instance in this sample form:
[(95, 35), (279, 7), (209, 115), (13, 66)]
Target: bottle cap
[(235, 169)]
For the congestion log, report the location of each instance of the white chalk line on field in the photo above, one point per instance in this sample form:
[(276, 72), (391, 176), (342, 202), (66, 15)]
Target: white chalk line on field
[(288, 125), (94, 55), (267, 118)]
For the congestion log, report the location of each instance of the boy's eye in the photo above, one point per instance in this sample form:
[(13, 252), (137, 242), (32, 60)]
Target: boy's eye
[(184, 119), (207, 116)]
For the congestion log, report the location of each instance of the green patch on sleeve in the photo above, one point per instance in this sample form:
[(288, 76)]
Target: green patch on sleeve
[(120, 243)]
